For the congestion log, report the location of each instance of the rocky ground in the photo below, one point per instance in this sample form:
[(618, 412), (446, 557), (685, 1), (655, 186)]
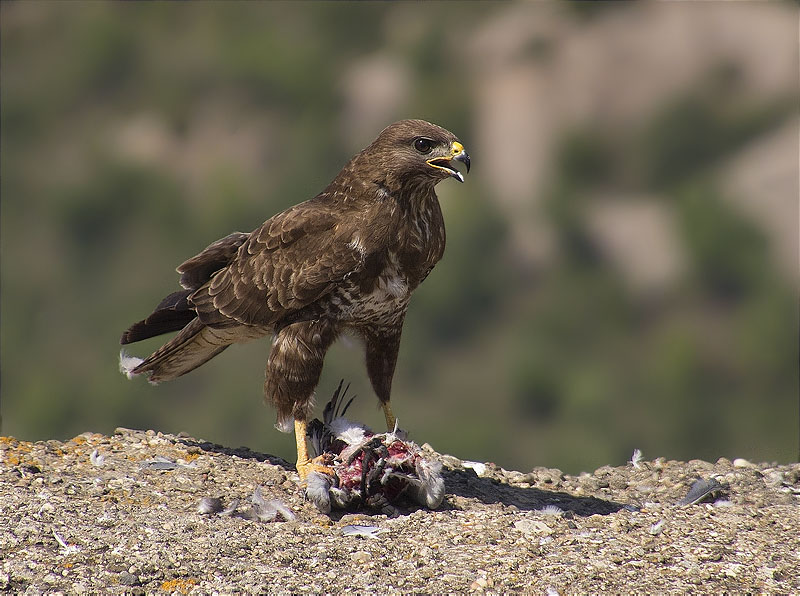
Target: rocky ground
[(120, 514)]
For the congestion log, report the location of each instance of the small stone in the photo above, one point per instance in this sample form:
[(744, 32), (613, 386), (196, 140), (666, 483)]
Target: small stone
[(532, 526), (478, 467), (773, 478), (361, 557), (657, 528), (732, 569), (740, 462), (46, 508), (50, 578), (128, 579)]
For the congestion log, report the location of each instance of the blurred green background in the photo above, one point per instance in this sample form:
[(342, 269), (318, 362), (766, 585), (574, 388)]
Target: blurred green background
[(621, 269)]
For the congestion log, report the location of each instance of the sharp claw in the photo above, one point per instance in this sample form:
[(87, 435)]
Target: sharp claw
[(318, 464)]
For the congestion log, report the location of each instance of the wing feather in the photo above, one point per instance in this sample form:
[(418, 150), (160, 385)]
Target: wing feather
[(197, 270), (291, 261)]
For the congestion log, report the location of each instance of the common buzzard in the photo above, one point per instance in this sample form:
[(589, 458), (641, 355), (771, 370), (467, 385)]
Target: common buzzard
[(345, 261)]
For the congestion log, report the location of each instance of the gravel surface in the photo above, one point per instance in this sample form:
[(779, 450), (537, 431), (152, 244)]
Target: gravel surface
[(121, 514)]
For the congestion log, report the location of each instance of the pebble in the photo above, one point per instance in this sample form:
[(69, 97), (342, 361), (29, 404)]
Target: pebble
[(532, 526), (479, 468), (773, 478), (361, 557), (480, 584), (127, 579), (657, 528)]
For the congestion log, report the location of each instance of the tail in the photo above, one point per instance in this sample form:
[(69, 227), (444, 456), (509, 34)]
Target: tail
[(196, 344), (172, 314)]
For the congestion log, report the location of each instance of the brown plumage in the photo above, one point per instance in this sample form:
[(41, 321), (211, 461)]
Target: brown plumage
[(345, 261)]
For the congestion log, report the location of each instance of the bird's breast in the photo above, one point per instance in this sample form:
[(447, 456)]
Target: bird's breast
[(379, 300)]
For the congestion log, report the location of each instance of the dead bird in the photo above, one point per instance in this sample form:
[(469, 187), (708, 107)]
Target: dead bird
[(370, 469)]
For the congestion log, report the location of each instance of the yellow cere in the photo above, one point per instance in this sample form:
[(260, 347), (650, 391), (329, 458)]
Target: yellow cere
[(457, 148)]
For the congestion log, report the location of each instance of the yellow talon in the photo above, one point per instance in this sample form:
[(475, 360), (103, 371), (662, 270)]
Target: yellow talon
[(305, 465)]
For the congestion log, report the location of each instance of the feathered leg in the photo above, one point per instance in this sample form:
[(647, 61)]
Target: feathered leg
[(382, 349), (293, 370)]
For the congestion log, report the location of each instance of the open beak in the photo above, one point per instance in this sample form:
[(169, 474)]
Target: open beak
[(457, 153)]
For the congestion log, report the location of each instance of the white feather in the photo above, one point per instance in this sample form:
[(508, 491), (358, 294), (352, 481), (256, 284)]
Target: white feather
[(128, 363), (285, 426), (551, 510), (348, 431)]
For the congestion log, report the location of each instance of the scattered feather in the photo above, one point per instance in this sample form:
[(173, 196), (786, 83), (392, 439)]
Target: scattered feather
[(365, 531), (283, 510), (636, 458), (159, 462), (66, 549), (551, 510), (261, 510), (267, 510), (702, 490), (230, 509), (210, 506), (97, 459)]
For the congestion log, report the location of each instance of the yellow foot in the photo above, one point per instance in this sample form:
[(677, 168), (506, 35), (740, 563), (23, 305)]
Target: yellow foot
[(306, 465), (318, 464)]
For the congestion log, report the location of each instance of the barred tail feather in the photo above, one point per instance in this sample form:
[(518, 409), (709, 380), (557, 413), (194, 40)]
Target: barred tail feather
[(195, 345), (172, 314)]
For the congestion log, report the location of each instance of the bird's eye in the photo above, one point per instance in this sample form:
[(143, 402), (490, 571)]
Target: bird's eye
[(423, 145)]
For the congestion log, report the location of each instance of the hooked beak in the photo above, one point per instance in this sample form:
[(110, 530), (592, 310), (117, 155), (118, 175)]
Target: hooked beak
[(457, 153)]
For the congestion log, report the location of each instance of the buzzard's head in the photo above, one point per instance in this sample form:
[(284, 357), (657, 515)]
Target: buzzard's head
[(414, 152)]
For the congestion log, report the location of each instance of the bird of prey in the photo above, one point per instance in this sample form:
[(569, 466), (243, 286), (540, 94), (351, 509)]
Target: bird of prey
[(345, 261)]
